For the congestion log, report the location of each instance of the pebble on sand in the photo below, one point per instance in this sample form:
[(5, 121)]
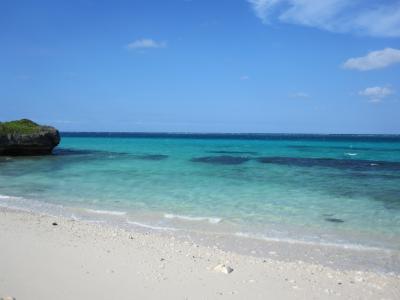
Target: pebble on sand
[(223, 269)]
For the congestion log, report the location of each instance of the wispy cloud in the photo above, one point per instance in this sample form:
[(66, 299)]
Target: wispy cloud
[(262, 8), (300, 95), (374, 60), (376, 94), (380, 19), (146, 43), (244, 77)]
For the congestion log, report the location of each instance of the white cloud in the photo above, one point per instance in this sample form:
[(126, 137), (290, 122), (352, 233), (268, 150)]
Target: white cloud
[(380, 19), (262, 8), (374, 60), (244, 77), (376, 94), (384, 20), (146, 43)]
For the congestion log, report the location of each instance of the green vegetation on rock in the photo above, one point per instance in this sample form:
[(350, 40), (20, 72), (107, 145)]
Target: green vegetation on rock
[(23, 126), (24, 137)]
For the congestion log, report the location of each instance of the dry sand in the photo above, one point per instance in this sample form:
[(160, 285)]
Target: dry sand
[(80, 260)]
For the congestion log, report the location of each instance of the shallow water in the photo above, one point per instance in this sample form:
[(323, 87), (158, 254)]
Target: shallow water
[(334, 190)]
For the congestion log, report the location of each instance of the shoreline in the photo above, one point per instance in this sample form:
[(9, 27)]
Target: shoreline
[(80, 259), (342, 257)]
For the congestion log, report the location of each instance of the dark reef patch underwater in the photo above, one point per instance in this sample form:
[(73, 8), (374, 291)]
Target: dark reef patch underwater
[(348, 148), (337, 163), (150, 157), (221, 160), (334, 220), (350, 164), (233, 152)]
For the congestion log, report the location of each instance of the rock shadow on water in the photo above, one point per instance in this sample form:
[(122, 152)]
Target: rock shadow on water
[(52, 164), (221, 160), (107, 154), (350, 164), (67, 151), (72, 152)]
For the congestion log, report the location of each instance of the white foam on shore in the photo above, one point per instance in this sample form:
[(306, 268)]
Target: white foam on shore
[(50, 209), (106, 212), (35, 206), (32, 206), (18, 203), (5, 197), (152, 226), (311, 243), (212, 220)]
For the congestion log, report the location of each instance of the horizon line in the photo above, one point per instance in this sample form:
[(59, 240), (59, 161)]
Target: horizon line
[(226, 133)]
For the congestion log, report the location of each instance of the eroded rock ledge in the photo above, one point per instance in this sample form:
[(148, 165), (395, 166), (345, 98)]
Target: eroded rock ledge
[(25, 137)]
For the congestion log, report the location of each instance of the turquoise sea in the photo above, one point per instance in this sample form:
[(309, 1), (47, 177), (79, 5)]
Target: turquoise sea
[(339, 190)]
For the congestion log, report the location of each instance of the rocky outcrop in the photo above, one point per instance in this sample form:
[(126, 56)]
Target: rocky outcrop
[(25, 137)]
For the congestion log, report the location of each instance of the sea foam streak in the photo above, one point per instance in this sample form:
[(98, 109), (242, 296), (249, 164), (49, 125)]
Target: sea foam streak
[(351, 154), (32, 205), (151, 226), (293, 241), (106, 212), (211, 220)]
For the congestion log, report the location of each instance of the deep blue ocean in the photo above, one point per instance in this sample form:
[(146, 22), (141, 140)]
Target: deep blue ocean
[(332, 189)]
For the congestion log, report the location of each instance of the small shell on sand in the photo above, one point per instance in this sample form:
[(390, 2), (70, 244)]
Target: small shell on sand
[(223, 269)]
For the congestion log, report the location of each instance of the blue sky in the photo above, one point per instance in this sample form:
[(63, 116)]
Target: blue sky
[(302, 66)]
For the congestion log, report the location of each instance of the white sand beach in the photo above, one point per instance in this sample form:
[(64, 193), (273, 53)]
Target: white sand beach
[(80, 260)]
